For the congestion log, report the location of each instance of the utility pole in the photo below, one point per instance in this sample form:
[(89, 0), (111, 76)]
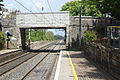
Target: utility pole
[(1, 14), (29, 38), (79, 13)]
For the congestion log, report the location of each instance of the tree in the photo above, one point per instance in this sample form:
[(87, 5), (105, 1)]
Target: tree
[(108, 7), (49, 36), (87, 8), (36, 34), (58, 37)]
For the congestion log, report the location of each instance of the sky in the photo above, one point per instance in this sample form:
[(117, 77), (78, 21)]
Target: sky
[(36, 6)]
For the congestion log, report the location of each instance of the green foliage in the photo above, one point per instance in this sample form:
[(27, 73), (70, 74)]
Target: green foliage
[(36, 34), (2, 39), (90, 36), (49, 36), (87, 8), (40, 34), (109, 7)]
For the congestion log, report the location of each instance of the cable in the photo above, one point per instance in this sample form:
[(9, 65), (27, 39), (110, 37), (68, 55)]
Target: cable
[(52, 12), (39, 11), (33, 13), (25, 7)]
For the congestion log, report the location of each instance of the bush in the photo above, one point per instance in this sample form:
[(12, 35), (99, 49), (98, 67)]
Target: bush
[(2, 39), (90, 36)]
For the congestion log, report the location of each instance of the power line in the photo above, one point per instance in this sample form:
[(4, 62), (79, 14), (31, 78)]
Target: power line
[(23, 6), (35, 5), (52, 11), (39, 10)]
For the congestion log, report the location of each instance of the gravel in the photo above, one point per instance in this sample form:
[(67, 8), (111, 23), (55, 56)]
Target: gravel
[(19, 72), (41, 72)]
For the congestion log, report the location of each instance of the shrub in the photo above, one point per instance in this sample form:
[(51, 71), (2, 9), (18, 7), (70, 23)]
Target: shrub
[(90, 36), (2, 39)]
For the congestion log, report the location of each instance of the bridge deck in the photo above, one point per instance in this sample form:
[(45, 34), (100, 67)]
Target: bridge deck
[(87, 70)]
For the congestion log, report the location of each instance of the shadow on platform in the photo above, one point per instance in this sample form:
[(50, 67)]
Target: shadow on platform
[(87, 69)]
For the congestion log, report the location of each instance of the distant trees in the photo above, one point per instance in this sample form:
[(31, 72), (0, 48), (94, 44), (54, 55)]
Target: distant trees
[(36, 34), (49, 36), (58, 37), (42, 34)]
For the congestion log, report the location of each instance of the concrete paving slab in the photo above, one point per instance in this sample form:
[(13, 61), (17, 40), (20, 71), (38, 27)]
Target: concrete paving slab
[(5, 51), (65, 68)]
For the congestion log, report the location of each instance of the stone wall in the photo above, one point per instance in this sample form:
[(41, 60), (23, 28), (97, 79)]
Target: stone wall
[(9, 24), (74, 32), (78, 28), (15, 38), (106, 57)]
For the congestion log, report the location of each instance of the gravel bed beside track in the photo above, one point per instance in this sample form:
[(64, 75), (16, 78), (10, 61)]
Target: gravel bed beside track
[(9, 66), (5, 67), (10, 55), (20, 71)]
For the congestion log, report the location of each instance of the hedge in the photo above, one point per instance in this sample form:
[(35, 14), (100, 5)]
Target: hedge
[(2, 40)]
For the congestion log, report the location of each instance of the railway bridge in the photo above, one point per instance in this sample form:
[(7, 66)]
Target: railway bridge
[(49, 20)]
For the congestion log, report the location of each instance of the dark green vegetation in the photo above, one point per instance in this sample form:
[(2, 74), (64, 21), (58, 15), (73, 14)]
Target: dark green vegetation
[(108, 7), (2, 40), (99, 8), (42, 34)]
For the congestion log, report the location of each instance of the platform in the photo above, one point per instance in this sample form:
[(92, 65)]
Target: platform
[(5, 51), (79, 68)]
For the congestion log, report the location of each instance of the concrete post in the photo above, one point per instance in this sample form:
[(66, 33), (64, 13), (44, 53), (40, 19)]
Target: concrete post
[(67, 37)]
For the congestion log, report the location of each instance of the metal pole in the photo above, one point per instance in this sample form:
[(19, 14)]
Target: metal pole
[(29, 38), (80, 26), (119, 38)]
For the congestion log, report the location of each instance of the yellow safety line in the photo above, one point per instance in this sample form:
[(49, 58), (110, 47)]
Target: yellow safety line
[(73, 69), (113, 26)]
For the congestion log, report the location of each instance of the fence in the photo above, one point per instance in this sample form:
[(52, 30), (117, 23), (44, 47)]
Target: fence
[(106, 57)]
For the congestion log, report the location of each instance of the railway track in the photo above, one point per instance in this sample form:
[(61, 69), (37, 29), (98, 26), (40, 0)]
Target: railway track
[(16, 69)]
